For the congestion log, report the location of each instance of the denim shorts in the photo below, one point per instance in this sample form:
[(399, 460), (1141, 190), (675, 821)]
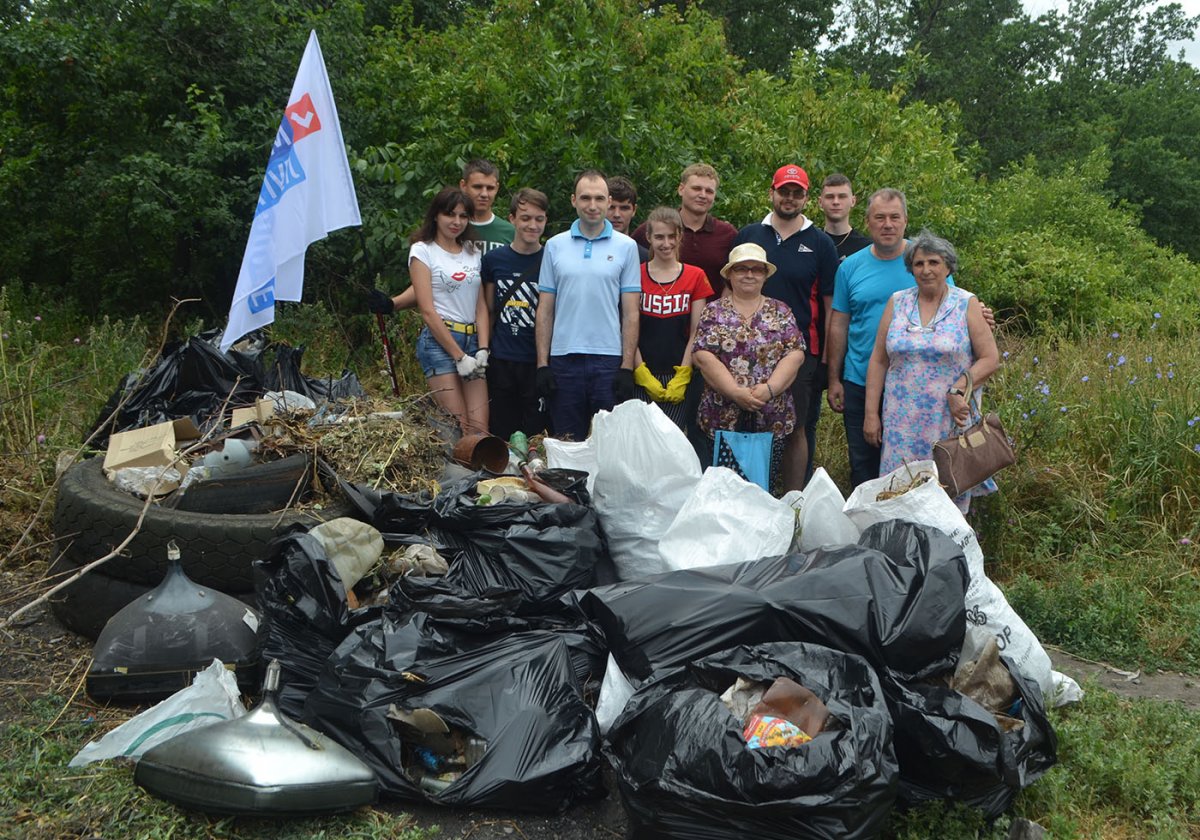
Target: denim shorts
[(434, 360)]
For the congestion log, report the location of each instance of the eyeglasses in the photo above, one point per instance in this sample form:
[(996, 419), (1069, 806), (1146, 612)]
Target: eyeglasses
[(915, 326), (791, 192), (748, 269)]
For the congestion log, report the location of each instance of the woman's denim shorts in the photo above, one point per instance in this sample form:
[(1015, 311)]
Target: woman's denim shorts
[(434, 360)]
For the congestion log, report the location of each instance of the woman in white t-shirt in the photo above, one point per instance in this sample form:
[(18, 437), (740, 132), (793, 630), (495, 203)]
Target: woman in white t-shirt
[(443, 262)]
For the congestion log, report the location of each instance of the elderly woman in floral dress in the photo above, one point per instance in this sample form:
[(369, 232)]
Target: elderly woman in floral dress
[(749, 349)]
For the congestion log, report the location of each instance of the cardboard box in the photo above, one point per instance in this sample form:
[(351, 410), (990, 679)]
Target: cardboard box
[(153, 446), (262, 411)]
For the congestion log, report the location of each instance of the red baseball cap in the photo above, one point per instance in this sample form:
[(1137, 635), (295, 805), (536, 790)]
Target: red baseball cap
[(790, 174)]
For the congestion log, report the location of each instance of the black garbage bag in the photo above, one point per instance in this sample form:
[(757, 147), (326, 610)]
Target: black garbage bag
[(518, 694), (950, 747), (516, 557), (896, 599), (685, 771), (193, 378), (303, 600)]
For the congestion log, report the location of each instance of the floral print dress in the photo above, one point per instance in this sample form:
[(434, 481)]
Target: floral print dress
[(923, 362), (750, 348)]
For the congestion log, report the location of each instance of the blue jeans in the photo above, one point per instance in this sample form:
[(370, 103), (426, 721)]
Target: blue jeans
[(434, 360), (584, 386), (864, 458)]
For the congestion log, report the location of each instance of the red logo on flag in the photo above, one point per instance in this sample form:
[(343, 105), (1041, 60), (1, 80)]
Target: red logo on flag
[(303, 117)]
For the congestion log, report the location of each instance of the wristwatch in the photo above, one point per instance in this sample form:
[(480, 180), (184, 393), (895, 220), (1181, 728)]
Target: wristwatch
[(957, 392)]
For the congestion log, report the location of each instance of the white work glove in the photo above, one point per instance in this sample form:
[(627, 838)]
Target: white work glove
[(466, 366), (481, 360)]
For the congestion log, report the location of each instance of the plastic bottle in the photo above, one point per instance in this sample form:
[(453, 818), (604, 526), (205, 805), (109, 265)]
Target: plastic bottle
[(519, 444)]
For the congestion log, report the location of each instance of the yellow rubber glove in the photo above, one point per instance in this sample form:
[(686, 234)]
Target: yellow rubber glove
[(678, 384), (642, 376)]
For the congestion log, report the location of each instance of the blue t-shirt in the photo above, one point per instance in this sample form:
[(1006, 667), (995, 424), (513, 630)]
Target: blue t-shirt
[(863, 287), (587, 277), (512, 329)]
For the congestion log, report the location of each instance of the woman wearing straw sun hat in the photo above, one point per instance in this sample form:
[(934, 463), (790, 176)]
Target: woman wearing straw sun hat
[(749, 349)]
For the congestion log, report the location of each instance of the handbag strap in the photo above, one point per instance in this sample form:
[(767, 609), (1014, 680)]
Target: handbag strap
[(972, 397)]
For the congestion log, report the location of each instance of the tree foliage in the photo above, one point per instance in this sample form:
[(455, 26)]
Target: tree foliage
[(133, 135)]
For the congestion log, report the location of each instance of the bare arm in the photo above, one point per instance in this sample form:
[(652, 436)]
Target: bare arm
[(718, 377), (987, 360), (543, 327), (422, 285), (835, 355), (785, 372), (483, 320), (876, 372), (697, 311), (631, 303)]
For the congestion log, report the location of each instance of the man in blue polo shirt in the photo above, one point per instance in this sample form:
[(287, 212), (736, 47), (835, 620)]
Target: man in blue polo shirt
[(806, 262), (587, 314)]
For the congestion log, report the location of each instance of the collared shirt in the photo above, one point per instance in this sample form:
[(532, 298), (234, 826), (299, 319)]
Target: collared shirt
[(707, 247), (587, 276), (806, 263)]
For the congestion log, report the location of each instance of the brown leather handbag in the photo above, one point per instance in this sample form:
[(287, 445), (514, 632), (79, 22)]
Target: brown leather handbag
[(972, 456)]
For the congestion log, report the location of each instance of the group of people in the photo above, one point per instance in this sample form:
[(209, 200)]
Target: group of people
[(724, 329)]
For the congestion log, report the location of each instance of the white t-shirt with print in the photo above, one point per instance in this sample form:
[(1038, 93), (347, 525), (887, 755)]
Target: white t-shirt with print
[(455, 278)]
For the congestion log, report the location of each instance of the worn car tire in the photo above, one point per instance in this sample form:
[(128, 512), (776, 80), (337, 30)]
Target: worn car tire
[(86, 605), (92, 516)]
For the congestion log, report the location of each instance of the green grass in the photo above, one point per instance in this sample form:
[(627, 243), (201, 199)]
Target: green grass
[(1095, 534)]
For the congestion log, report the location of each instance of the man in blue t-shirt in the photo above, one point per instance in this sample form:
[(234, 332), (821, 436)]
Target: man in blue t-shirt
[(806, 262), (865, 283), (587, 314), (510, 280)]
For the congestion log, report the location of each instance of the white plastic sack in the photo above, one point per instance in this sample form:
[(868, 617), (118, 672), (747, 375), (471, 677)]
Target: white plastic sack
[(572, 455), (822, 522), (646, 471), (726, 519), (988, 611), (211, 698), (615, 692)]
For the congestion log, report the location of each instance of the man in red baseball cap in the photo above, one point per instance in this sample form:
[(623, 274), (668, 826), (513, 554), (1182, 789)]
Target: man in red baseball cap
[(806, 260)]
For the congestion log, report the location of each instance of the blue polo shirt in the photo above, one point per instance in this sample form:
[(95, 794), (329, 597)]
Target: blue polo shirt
[(586, 277), (862, 289)]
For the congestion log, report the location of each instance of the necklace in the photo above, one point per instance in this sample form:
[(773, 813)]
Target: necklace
[(915, 326), (842, 241), (740, 307), (666, 287)]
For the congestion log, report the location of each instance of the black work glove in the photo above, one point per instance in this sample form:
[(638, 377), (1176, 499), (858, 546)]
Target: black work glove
[(380, 302), (546, 386), (622, 385)]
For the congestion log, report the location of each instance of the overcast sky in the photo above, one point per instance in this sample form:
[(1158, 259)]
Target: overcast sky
[(1192, 7)]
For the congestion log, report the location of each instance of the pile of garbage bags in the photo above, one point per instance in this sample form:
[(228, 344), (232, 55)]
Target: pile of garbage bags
[(503, 652), (194, 379)]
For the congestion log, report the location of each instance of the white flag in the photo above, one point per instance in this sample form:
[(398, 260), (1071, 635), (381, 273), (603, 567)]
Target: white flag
[(306, 193)]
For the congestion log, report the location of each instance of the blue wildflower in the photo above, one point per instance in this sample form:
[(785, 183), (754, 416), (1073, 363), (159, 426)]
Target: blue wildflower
[(1120, 360), (1084, 378)]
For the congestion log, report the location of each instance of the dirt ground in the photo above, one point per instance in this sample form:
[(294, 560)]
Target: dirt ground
[(40, 658)]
